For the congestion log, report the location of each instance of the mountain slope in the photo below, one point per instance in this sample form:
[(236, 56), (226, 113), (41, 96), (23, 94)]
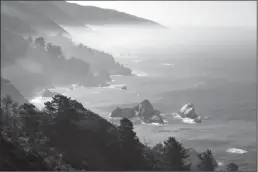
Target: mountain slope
[(99, 16), (26, 15), (31, 16), (8, 89)]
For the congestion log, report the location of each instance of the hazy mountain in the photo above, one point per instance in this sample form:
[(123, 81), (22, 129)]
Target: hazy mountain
[(94, 15), (32, 16), (21, 17)]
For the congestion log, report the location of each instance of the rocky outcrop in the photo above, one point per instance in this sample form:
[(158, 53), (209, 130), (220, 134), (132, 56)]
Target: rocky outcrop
[(188, 111), (125, 113), (144, 111)]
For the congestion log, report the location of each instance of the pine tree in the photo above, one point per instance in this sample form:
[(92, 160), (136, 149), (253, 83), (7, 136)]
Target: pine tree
[(174, 156), (232, 167), (132, 150), (207, 161)]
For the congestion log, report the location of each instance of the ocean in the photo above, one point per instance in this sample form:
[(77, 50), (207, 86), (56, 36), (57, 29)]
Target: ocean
[(220, 83)]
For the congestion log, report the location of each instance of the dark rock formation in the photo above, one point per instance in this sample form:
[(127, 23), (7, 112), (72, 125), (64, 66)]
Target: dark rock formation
[(124, 88), (188, 111), (125, 113), (144, 111)]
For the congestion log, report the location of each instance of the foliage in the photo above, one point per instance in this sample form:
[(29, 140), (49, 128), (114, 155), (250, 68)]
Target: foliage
[(207, 162), (174, 155), (232, 167), (60, 103), (61, 144), (132, 150)]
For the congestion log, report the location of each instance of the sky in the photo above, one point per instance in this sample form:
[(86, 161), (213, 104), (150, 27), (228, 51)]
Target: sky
[(187, 13)]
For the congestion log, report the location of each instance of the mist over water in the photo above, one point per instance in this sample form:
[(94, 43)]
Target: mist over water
[(119, 39), (213, 68)]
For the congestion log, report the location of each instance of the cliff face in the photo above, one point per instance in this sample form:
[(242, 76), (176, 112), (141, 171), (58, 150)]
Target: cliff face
[(144, 111)]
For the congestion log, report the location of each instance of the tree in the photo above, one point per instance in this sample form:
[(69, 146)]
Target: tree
[(10, 118), (40, 41), (208, 163), (1, 120), (59, 102), (132, 150), (10, 110), (175, 155), (158, 150), (232, 167)]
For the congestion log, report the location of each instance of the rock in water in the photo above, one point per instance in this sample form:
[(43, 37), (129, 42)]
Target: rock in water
[(188, 111), (125, 113), (124, 88), (144, 111)]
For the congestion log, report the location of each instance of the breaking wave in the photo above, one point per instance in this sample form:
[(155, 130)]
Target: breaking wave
[(168, 64), (184, 120), (140, 74), (236, 151)]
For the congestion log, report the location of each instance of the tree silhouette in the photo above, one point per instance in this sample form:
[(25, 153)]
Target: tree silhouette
[(207, 161), (158, 150), (174, 156), (232, 167), (132, 150), (59, 102)]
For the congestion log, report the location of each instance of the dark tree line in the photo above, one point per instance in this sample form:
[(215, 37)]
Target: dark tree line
[(33, 130)]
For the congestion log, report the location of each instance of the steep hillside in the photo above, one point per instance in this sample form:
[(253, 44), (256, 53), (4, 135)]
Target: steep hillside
[(25, 14), (8, 89), (94, 15), (50, 16)]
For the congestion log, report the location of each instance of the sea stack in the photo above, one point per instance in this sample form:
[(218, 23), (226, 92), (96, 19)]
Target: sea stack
[(143, 111), (188, 111)]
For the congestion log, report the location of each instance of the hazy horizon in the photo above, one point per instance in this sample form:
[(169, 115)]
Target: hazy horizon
[(187, 13)]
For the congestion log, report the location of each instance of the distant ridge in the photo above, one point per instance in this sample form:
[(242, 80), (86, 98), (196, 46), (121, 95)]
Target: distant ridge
[(36, 16)]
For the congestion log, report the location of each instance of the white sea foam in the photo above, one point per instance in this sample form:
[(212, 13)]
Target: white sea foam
[(140, 74), (116, 86), (236, 151), (220, 163), (165, 121), (156, 124), (184, 120), (167, 64), (116, 75), (115, 118), (137, 61)]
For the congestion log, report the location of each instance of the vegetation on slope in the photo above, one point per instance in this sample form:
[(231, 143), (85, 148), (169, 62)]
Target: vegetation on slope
[(67, 136)]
